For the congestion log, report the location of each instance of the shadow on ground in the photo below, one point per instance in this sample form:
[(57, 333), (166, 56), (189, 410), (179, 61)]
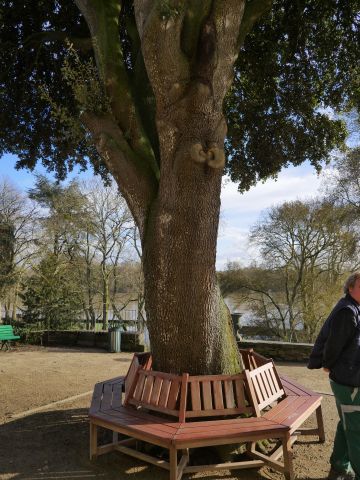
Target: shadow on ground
[(53, 445)]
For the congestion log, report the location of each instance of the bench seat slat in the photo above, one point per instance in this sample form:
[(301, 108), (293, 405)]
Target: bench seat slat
[(137, 419), (290, 409), (217, 412), (294, 388)]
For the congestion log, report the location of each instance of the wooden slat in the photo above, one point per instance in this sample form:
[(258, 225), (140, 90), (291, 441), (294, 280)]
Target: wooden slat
[(229, 394), (211, 378), (229, 432), (216, 412), (154, 399), (225, 466), (288, 402), (296, 388), (218, 395), (293, 415), (240, 394), (183, 397), (273, 386), (96, 398), (117, 418), (143, 456), (117, 395), (107, 396), (173, 394), (275, 380), (264, 378), (149, 382), (164, 392), (244, 422), (139, 388), (257, 388), (207, 395), (195, 396)]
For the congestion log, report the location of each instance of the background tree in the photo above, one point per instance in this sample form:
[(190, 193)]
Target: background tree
[(51, 295), (306, 248), (344, 187), (19, 233), (111, 226), (142, 96)]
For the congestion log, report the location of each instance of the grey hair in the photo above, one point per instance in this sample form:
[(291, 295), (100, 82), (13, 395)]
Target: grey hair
[(350, 282)]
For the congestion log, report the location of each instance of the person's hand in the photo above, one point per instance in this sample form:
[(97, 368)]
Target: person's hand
[(326, 370)]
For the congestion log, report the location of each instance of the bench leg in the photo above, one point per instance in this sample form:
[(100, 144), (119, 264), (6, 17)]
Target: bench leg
[(173, 464), (320, 424), (287, 453), (93, 441), (5, 343), (115, 437)]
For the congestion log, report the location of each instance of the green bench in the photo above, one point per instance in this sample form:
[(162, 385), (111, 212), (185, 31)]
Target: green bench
[(6, 335)]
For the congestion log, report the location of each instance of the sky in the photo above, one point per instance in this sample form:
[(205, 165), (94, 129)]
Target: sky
[(239, 212)]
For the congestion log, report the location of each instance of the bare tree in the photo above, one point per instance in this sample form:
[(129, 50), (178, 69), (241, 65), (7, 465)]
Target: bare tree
[(111, 228), (310, 245), (19, 233)]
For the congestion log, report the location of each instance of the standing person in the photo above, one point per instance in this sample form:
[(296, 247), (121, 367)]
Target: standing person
[(337, 351)]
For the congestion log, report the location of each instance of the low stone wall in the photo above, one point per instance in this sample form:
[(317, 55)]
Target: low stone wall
[(285, 351), (130, 341)]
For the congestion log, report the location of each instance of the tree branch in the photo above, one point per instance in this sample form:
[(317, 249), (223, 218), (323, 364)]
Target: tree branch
[(160, 35), (254, 10), (133, 176), (103, 22), (83, 44)]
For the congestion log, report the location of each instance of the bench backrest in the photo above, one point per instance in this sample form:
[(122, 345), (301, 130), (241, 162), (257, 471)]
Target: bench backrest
[(216, 395), (143, 360), (253, 359), (189, 396), (264, 386), (6, 331), (158, 391)]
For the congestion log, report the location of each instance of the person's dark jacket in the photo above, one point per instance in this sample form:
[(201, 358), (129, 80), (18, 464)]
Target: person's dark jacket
[(337, 346)]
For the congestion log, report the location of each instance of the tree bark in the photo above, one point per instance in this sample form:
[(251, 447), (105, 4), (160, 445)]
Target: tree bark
[(189, 50)]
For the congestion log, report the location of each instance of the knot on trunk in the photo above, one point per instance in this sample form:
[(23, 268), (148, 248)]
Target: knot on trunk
[(214, 156)]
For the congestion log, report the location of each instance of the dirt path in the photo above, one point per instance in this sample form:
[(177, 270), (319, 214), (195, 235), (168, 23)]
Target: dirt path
[(51, 443)]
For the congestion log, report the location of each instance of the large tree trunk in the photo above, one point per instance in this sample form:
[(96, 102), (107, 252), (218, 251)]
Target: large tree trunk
[(189, 325), (188, 49)]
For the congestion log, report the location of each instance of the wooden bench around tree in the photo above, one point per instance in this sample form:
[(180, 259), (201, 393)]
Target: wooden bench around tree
[(185, 412), (6, 336)]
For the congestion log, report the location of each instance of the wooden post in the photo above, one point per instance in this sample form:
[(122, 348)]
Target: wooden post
[(320, 423), (93, 440), (115, 436), (173, 464), (288, 463)]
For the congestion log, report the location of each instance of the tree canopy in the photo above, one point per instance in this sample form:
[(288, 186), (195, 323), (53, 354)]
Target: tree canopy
[(300, 58)]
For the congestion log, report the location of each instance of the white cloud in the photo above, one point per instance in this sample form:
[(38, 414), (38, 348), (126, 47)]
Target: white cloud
[(240, 211)]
